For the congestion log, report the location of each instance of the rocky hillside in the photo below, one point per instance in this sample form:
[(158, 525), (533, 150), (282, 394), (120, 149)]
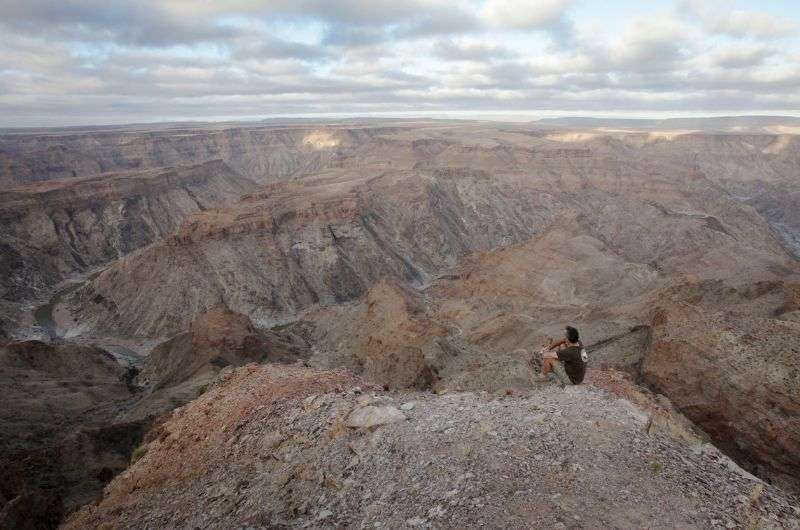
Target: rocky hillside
[(271, 447), (72, 415), (325, 240), (430, 257), (492, 241), (179, 369), (58, 441), (652, 201), (55, 229), (258, 152)]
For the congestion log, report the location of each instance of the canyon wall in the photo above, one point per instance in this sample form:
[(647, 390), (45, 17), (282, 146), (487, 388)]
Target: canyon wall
[(257, 152), (442, 256), (51, 230)]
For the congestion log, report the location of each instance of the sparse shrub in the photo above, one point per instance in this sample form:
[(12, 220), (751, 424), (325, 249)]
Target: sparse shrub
[(138, 453), (655, 466)]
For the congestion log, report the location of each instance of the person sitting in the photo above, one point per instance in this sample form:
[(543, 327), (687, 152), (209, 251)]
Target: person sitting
[(567, 358)]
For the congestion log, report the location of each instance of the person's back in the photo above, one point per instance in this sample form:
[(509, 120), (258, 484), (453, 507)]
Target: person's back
[(574, 359), (567, 355)]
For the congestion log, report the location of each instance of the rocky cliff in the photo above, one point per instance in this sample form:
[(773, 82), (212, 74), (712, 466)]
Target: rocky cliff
[(52, 230), (734, 371), (318, 241), (260, 153), (59, 443), (179, 369), (288, 447), (438, 257)]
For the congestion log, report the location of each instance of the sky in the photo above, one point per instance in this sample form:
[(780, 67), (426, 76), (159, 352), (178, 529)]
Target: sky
[(80, 62)]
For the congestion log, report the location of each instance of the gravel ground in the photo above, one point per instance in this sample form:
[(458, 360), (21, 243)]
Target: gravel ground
[(292, 447)]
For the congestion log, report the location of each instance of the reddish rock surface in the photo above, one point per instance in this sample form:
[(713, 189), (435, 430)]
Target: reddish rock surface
[(271, 446)]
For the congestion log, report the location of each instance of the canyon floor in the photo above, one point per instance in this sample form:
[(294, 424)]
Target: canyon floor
[(382, 287)]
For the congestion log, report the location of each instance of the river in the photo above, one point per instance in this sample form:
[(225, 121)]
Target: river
[(121, 349)]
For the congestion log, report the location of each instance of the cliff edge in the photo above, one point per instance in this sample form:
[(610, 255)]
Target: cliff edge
[(288, 446)]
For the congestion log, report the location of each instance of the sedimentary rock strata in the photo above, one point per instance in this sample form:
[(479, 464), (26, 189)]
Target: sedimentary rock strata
[(432, 256), (54, 229)]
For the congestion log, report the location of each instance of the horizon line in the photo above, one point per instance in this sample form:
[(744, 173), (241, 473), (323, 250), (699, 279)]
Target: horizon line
[(470, 116)]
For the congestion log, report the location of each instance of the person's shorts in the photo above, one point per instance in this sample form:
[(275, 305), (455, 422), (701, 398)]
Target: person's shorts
[(561, 373)]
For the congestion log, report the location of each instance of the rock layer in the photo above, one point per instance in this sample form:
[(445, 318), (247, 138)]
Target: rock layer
[(734, 372), (259, 153), (55, 229)]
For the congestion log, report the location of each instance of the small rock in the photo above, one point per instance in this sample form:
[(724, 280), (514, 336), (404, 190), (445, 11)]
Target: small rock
[(436, 512), (371, 416), (408, 406), (537, 418)]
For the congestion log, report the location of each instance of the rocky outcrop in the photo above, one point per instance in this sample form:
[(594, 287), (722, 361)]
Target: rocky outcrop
[(55, 229), (179, 369), (387, 337), (442, 255), (313, 242), (259, 153), (724, 350), (58, 442), (735, 372), (278, 446)]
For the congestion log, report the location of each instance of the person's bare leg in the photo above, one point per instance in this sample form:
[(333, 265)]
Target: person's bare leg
[(547, 366)]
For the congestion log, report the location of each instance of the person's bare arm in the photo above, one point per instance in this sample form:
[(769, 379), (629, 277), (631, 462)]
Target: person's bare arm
[(550, 351)]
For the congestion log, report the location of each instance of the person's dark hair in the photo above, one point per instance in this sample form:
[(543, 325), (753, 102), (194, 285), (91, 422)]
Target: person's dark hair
[(572, 334)]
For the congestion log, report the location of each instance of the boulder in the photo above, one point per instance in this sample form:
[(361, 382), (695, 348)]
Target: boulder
[(372, 416)]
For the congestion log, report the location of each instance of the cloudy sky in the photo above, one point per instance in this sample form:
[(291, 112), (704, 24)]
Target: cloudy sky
[(105, 61)]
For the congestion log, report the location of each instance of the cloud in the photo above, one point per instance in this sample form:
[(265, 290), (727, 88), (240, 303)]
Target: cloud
[(650, 45), (742, 56), (717, 17), (475, 50), (87, 61), (524, 14), (134, 23)]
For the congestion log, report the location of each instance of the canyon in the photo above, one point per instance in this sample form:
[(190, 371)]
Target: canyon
[(407, 260)]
